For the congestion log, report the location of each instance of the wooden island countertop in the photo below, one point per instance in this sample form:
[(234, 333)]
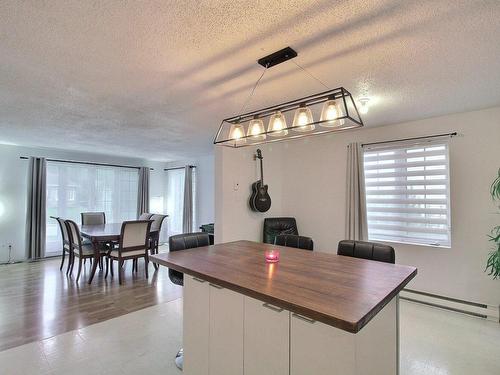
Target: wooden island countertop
[(340, 291)]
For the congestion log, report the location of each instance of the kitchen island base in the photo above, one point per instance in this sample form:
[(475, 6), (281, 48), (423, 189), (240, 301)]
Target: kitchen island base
[(228, 333)]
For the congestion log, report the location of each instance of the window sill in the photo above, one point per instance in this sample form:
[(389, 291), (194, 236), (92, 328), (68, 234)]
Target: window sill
[(409, 243)]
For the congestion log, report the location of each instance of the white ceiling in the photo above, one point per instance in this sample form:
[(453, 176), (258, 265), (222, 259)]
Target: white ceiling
[(154, 79)]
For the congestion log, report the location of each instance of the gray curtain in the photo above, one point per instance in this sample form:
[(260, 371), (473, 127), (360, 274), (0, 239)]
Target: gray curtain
[(35, 208), (187, 216), (356, 220), (143, 191)]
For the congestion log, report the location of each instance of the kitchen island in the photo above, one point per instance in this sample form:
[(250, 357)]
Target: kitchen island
[(310, 313)]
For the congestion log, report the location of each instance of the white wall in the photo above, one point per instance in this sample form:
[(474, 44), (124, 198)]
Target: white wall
[(13, 188), (307, 180)]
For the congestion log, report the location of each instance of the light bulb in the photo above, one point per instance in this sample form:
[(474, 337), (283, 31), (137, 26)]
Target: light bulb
[(256, 130), (277, 125), (303, 119), (363, 105), (236, 134), (331, 111)]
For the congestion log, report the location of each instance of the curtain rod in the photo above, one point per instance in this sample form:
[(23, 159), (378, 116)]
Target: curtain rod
[(88, 163), (174, 168), (411, 139)]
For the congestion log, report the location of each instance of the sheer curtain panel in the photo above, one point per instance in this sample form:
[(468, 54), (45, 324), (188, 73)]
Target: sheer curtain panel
[(73, 188)]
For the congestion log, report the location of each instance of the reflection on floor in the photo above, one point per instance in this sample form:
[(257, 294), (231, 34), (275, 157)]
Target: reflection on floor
[(433, 342), (38, 301)]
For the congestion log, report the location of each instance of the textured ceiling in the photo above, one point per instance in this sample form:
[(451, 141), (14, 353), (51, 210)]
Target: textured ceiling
[(153, 79)]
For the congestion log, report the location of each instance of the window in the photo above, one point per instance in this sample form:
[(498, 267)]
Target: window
[(407, 193), (75, 188), (175, 200)]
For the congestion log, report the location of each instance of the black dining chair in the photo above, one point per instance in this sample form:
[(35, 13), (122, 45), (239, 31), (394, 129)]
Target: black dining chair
[(367, 250), (296, 241), (274, 226), (183, 242)]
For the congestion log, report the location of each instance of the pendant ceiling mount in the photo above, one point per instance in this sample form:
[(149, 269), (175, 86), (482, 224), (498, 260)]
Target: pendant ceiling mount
[(326, 112), (277, 57)]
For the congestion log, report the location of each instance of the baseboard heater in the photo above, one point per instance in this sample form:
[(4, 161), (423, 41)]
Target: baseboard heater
[(479, 310)]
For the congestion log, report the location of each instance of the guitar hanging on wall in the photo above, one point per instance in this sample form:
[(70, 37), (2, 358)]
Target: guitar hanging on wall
[(260, 201)]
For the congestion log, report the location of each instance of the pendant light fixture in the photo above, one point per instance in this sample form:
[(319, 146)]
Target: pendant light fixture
[(256, 130), (331, 114), (237, 134), (303, 119), (277, 125), (335, 109)]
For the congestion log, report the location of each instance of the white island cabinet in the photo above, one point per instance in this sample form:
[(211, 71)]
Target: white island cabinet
[(310, 314)]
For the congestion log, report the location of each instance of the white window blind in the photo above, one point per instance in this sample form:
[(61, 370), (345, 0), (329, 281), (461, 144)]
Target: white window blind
[(408, 193)]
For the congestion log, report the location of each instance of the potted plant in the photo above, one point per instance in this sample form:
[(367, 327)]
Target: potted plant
[(493, 262)]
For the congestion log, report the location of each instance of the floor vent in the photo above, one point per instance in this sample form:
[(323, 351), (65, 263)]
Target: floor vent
[(478, 310)]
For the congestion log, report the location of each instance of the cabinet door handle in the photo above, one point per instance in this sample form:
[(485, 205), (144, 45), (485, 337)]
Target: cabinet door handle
[(199, 280), (305, 319), (271, 307), (216, 286)]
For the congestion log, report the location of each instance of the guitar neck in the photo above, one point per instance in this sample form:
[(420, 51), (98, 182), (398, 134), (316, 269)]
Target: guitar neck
[(261, 173)]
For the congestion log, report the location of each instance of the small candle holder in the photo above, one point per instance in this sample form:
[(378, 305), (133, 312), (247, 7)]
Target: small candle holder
[(272, 256)]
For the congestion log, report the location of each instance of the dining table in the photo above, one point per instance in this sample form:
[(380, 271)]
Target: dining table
[(98, 234)]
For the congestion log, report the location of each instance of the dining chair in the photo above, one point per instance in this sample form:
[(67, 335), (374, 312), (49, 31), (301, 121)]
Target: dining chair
[(154, 234), (133, 244), (66, 244), (79, 249), (293, 240), (93, 218), (177, 243), (154, 237), (274, 226), (145, 216), (367, 250)]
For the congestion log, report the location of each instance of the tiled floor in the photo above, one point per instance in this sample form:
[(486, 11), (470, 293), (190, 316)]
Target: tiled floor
[(433, 342)]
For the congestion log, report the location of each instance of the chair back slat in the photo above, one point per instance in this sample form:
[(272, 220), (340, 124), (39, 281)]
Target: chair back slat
[(93, 218)]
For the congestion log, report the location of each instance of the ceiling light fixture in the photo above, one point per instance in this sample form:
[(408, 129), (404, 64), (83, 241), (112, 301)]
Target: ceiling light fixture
[(335, 109), (364, 106)]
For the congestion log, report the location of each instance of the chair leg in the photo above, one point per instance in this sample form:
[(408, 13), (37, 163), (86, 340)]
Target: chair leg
[(107, 267), (156, 247), (70, 261), (146, 264), (62, 260), (72, 265), (120, 271), (111, 266), (80, 262)]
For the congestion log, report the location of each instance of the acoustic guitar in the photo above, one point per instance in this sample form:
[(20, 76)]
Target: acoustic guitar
[(260, 200)]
